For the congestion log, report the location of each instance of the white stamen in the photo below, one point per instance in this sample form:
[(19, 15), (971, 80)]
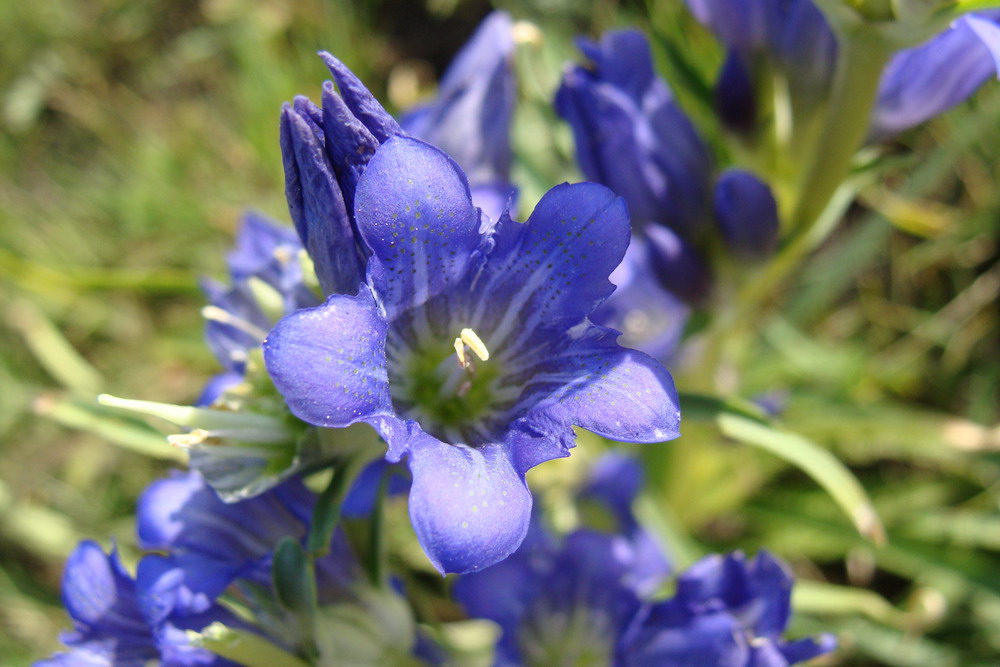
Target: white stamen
[(187, 440), (216, 314), (460, 351)]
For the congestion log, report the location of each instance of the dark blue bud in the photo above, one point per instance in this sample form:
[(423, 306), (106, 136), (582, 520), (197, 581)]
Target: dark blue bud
[(631, 136), (735, 101), (747, 214), (316, 202)]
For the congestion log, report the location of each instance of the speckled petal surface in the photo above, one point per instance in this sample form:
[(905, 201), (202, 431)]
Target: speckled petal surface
[(415, 213), (329, 362), (469, 507)]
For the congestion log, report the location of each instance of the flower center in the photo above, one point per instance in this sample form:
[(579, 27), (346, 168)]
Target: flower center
[(448, 389)]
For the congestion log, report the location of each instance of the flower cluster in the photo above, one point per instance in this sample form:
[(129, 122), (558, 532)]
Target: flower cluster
[(585, 598), (410, 320)]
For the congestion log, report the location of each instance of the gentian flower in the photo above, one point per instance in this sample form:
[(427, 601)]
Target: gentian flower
[(572, 598), (266, 282), (727, 611), (205, 544), (115, 624), (633, 137), (651, 318), (470, 116), (794, 39), (468, 347), (584, 598), (927, 80)]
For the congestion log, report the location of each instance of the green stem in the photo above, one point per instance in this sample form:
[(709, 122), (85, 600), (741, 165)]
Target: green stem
[(376, 556), (326, 513), (861, 58)]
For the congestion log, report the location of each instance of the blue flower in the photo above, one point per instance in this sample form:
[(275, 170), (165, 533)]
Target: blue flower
[(205, 544), (572, 598), (114, 622), (794, 39), (651, 318), (266, 282), (468, 347), (470, 116), (727, 611), (325, 152), (631, 136), (925, 81)]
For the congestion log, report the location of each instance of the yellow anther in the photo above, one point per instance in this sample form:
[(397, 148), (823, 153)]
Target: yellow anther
[(475, 343)]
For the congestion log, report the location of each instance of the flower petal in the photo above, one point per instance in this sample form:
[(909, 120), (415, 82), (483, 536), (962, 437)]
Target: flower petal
[(547, 275), (360, 101), (414, 210), (921, 82), (329, 362), (316, 201), (615, 392), (101, 599), (469, 507), (470, 116)]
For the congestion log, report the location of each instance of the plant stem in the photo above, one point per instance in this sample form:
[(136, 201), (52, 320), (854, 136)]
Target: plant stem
[(861, 58)]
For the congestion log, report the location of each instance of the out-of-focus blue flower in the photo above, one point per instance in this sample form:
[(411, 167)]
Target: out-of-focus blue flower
[(470, 116), (583, 598), (792, 38), (572, 598), (266, 282), (747, 214), (115, 624), (469, 349), (631, 136), (207, 544), (922, 82), (727, 611), (650, 318)]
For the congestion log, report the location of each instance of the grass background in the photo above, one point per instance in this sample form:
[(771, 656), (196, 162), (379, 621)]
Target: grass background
[(133, 134)]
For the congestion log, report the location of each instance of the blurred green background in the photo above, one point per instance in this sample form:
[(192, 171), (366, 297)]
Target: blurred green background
[(133, 134)]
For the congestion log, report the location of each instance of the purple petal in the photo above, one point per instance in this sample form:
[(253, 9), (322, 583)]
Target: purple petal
[(360, 101), (679, 267), (922, 82), (651, 318), (469, 507), (615, 392), (316, 201), (547, 275), (101, 599), (349, 144), (329, 362), (414, 211), (469, 118), (664, 635)]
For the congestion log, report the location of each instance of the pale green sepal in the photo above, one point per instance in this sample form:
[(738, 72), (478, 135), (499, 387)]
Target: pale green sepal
[(243, 647), (376, 629)]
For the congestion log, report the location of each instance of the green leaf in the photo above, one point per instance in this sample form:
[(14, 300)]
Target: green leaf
[(826, 469), (243, 647)]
